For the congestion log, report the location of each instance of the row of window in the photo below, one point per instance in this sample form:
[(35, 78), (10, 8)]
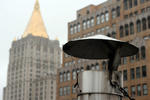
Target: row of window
[(100, 18), (141, 25), (63, 91), (138, 90), (137, 72)]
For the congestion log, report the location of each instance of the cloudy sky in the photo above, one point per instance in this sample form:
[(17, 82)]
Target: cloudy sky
[(15, 14)]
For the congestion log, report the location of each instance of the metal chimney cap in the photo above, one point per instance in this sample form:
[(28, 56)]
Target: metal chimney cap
[(98, 47)]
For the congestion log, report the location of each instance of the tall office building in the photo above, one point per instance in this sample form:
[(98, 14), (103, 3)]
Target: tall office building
[(127, 20), (33, 63)]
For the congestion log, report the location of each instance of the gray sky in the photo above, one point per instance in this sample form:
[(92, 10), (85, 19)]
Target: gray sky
[(15, 14)]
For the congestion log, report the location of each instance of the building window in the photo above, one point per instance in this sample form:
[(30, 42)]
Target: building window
[(107, 16), (137, 56), (125, 75), (73, 89), (145, 89), (132, 75), (78, 27), (121, 31), (60, 77), (138, 23), (148, 21), (125, 4), (143, 55), (74, 74), (144, 73), (92, 21), (113, 14), (135, 3), (118, 11), (130, 3), (68, 75), (60, 91), (126, 30), (131, 59), (84, 25), (141, 1), (131, 28), (68, 90), (138, 90), (65, 77), (144, 27), (97, 66), (138, 75), (114, 34), (124, 60), (97, 19), (133, 91), (65, 91), (102, 18), (75, 28), (103, 65), (88, 23)]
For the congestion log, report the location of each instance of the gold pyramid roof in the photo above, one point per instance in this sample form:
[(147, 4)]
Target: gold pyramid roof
[(36, 25)]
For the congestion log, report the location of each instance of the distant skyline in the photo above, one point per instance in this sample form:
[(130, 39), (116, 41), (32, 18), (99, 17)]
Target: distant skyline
[(15, 15)]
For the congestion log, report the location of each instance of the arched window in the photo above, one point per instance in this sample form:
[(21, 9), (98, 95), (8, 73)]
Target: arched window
[(68, 75), (106, 16), (131, 28), (60, 77), (126, 29), (92, 21), (144, 26), (118, 11), (130, 3), (143, 55), (74, 75), (78, 27), (84, 25), (125, 4), (138, 23), (88, 23), (121, 31), (114, 34), (97, 19), (113, 13), (103, 65), (65, 76), (148, 21), (102, 18)]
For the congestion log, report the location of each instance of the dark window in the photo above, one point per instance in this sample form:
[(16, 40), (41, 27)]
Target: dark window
[(121, 31), (132, 90), (137, 56), (148, 21), (103, 65), (130, 3), (144, 27), (118, 11), (139, 90), (143, 55), (126, 30), (138, 26), (131, 28), (144, 73), (145, 89), (138, 75), (114, 34), (132, 75), (125, 4), (125, 75), (135, 3)]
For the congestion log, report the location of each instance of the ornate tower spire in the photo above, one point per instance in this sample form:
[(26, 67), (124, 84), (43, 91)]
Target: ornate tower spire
[(36, 25)]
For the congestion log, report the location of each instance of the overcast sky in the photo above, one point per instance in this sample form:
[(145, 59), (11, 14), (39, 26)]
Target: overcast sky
[(15, 14)]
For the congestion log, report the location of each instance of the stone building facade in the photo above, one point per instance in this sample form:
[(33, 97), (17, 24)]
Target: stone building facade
[(127, 20), (33, 63)]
